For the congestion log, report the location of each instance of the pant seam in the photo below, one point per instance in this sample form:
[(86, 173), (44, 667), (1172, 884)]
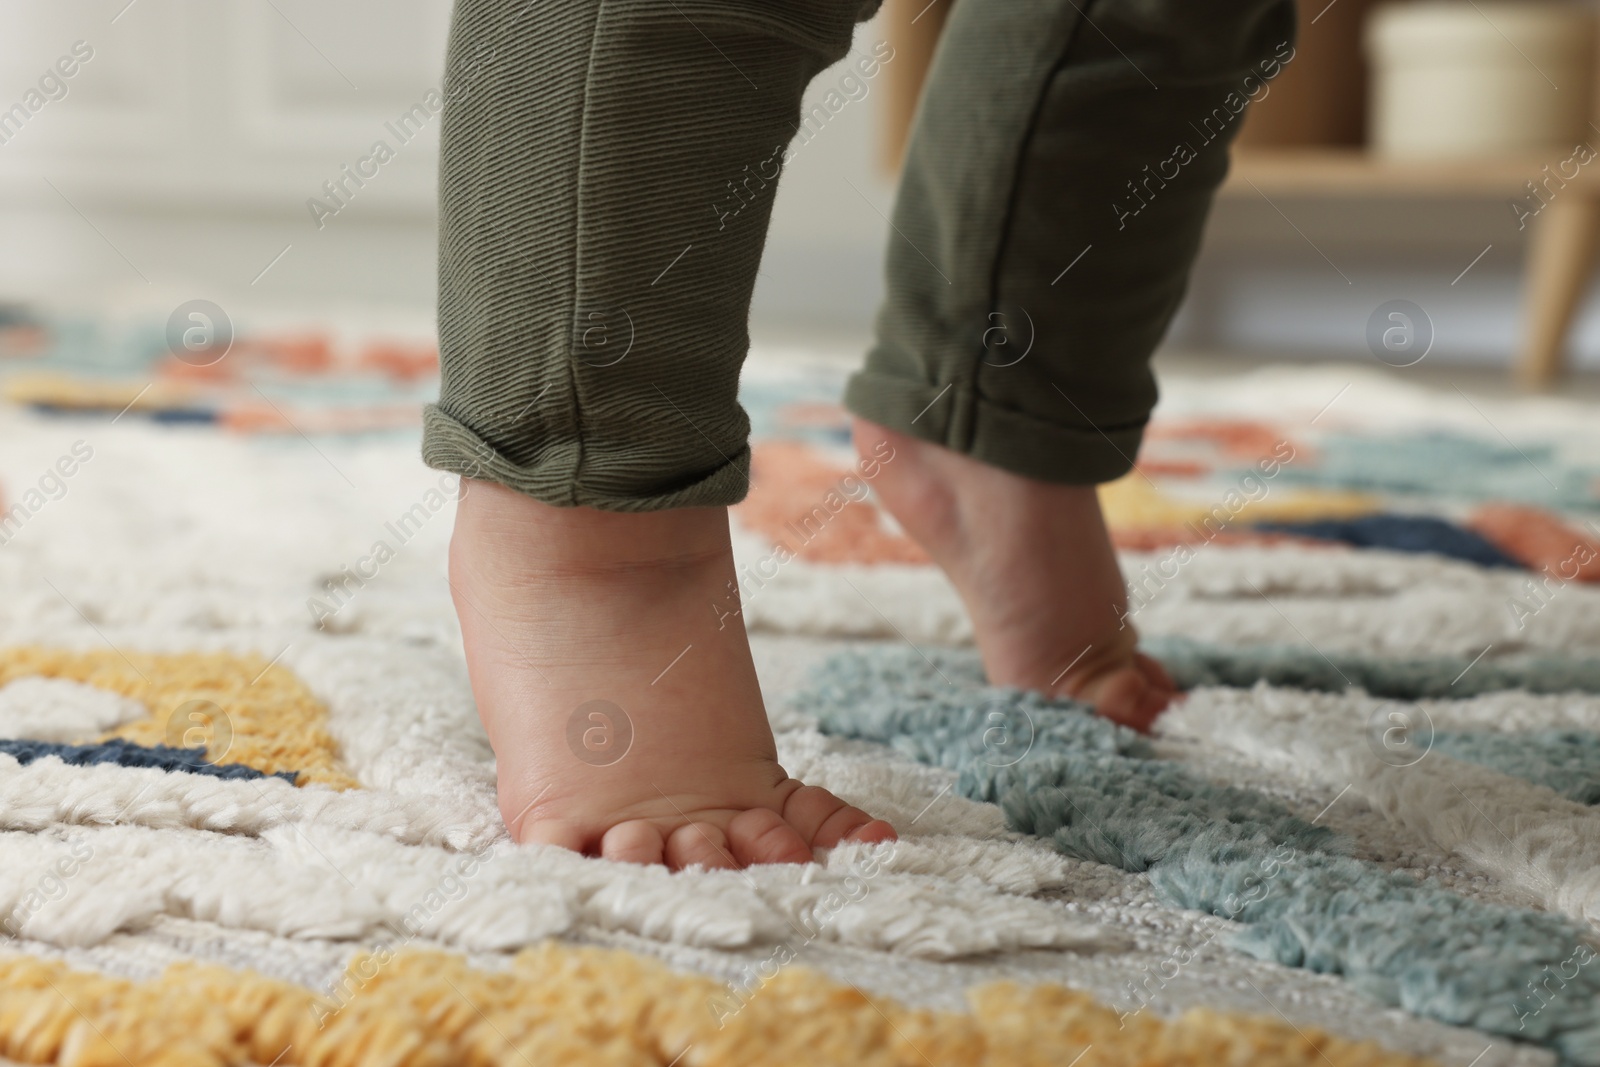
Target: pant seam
[(574, 392), (1008, 216)]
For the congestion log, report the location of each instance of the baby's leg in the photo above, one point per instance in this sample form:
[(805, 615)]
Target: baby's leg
[(608, 172), (1051, 207), (625, 716), (1034, 565)]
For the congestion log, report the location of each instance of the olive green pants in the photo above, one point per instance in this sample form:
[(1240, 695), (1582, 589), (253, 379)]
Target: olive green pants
[(608, 174)]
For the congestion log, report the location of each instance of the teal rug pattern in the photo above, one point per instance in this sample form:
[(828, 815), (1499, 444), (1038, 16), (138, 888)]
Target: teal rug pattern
[(1195, 663), (1098, 792)]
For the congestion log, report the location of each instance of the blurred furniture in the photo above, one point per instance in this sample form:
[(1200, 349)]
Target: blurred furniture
[(1562, 236), (1470, 80), (192, 145), (1306, 139), (913, 29)]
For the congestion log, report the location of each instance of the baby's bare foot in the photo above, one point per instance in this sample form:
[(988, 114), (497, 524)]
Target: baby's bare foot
[(1034, 565), (618, 693)]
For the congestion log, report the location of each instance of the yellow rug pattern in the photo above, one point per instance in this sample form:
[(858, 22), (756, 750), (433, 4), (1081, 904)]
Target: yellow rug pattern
[(240, 708), (562, 1005)]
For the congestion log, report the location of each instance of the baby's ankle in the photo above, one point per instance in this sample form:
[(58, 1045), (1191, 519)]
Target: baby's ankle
[(583, 537)]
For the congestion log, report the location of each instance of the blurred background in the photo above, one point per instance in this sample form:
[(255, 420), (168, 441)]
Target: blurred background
[(159, 152)]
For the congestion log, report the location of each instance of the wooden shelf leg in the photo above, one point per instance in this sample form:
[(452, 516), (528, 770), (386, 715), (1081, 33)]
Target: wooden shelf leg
[(1561, 250), (912, 28)]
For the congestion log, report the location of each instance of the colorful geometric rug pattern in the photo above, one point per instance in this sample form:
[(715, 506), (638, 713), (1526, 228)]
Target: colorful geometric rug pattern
[(247, 814)]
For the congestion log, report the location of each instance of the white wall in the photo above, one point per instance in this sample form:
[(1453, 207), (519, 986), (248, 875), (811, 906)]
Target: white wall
[(191, 141), (183, 154)]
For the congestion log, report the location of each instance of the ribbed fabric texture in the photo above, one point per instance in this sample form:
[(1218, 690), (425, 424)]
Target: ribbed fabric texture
[(1047, 220), (594, 292), (593, 300)]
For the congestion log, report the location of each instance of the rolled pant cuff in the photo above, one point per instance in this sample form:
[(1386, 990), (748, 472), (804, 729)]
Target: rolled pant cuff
[(1001, 437), (448, 445)]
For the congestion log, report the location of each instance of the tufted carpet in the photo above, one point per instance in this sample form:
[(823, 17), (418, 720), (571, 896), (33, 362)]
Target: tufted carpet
[(247, 815)]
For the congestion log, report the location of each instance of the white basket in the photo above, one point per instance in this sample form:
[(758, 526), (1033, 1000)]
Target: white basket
[(1457, 79)]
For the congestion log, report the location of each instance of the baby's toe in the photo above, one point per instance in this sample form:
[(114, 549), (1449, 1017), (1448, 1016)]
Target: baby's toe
[(637, 841), (699, 844), (872, 831), (824, 820), (1155, 673), (761, 836), (1126, 697)]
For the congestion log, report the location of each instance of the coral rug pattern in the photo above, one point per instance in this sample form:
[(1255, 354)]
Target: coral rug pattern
[(247, 814)]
